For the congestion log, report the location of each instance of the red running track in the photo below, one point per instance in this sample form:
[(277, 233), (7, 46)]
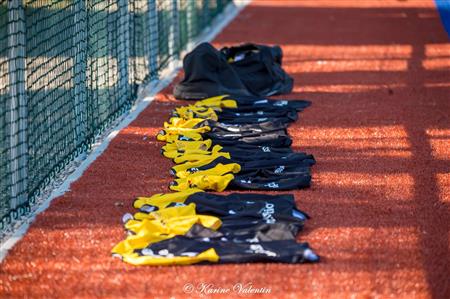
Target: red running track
[(378, 74)]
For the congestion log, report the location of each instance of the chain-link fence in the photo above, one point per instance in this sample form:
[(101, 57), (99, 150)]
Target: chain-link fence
[(68, 68)]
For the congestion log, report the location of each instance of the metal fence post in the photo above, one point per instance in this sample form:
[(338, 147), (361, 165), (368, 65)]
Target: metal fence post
[(154, 38), (80, 69), (18, 114), (206, 16), (174, 33), (191, 22), (123, 51)]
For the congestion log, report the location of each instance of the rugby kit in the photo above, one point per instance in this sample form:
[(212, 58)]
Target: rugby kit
[(231, 138)]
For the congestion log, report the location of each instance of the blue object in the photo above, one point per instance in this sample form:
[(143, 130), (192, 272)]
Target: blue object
[(443, 7)]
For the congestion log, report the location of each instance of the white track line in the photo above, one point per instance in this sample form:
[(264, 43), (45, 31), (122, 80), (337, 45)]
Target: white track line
[(145, 96)]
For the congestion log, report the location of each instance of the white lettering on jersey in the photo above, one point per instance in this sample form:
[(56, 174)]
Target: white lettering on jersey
[(147, 251), (279, 169), (267, 212), (233, 129), (266, 149), (193, 169), (147, 208), (252, 240), (190, 254), (231, 135), (256, 248), (272, 185), (161, 253), (127, 217), (281, 103)]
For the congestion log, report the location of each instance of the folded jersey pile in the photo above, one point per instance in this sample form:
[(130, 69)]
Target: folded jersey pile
[(224, 142)]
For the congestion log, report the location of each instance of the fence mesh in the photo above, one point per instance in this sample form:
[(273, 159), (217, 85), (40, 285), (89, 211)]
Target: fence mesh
[(68, 69)]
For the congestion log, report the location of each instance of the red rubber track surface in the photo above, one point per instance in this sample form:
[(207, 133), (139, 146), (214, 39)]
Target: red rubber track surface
[(378, 74)]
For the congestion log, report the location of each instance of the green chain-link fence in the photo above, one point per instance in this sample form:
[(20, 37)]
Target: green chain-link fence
[(68, 68)]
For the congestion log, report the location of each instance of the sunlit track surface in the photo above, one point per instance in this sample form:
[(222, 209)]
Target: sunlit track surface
[(378, 75)]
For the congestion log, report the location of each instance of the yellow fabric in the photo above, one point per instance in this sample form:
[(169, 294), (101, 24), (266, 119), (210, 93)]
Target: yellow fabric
[(191, 111), (140, 220), (219, 169), (200, 110), (199, 163), (204, 182), (181, 146), (175, 130), (161, 225), (161, 200), (174, 136), (174, 154), (172, 150), (209, 255), (192, 156), (217, 102), (177, 122), (177, 219)]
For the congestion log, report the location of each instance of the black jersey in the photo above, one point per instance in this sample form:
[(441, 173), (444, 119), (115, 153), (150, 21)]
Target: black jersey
[(221, 129), (229, 251), (243, 210), (260, 232), (256, 148), (254, 120), (232, 117), (240, 210), (275, 139), (244, 155), (250, 102), (290, 160), (274, 182), (276, 172), (290, 164), (271, 110)]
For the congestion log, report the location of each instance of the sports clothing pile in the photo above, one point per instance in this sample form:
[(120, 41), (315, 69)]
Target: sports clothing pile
[(225, 142), (231, 152), (246, 70)]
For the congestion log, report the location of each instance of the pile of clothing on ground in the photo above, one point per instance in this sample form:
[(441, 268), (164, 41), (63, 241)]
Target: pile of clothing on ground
[(231, 138)]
